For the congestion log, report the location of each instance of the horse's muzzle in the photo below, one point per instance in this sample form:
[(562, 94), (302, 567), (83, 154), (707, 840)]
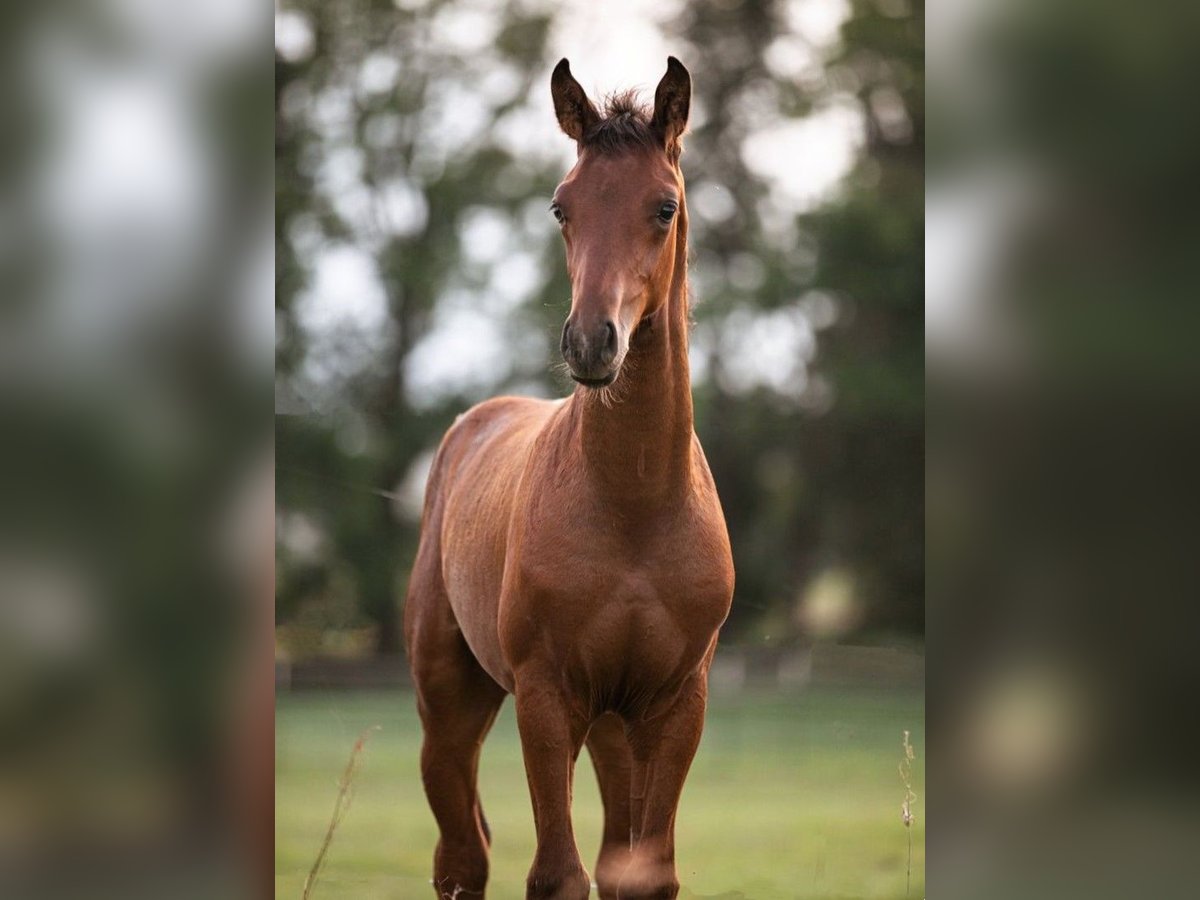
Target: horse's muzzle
[(591, 352)]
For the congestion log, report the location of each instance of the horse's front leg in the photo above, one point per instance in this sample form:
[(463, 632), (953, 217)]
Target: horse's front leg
[(663, 747), (614, 768), (552, 733)]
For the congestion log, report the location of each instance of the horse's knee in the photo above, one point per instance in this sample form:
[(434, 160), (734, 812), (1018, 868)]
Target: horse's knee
[(648, 879), (614, 858), (460, 869)]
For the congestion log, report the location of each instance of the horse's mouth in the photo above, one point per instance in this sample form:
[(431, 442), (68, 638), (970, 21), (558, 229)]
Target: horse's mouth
[(595, 382)]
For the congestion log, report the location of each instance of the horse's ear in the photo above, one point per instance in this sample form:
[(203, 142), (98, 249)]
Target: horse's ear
[(574, 110), (672, 100)]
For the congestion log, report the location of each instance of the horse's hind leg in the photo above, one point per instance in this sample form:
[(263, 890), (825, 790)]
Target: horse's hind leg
[(458, 702), (614, 765)]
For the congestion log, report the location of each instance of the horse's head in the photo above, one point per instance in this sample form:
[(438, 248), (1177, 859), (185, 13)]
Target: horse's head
[(621, 208)]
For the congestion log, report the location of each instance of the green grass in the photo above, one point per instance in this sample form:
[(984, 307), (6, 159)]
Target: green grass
[(791, 796)]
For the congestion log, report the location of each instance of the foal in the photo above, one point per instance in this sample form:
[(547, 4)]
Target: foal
[(574, 553)]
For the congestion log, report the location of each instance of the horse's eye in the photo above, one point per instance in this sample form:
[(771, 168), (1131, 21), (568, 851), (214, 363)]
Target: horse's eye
[(558, 213), (666, 212)]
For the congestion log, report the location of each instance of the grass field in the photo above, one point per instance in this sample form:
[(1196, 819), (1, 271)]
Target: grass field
[(791, 796)]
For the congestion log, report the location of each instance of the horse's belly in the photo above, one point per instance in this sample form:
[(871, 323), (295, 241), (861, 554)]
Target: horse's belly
[(473, 546), (479, 503), (473, 598)]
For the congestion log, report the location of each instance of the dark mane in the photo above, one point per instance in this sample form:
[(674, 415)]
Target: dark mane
[(625, 123)]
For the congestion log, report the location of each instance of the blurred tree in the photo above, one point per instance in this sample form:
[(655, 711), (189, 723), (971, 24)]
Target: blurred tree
[(871, 254)]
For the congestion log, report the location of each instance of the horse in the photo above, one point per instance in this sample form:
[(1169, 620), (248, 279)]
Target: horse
[(574, 553)]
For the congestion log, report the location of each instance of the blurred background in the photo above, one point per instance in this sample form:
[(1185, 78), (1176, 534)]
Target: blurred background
[(136, 524), (1062, 378), (419, 271)]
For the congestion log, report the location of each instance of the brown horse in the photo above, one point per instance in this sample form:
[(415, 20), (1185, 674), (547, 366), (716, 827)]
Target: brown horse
[(574, 553)]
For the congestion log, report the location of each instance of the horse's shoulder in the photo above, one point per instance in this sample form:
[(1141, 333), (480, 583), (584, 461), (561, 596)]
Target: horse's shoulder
[(491, 438)]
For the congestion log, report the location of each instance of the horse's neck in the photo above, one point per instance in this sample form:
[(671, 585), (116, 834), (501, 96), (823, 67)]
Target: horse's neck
[(637, 439)]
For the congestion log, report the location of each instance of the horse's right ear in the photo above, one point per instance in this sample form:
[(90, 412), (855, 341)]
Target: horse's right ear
[(574, 110)]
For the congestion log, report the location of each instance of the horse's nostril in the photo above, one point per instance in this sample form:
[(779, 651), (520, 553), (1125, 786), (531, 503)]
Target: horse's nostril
[(610, 342), (566, 336)]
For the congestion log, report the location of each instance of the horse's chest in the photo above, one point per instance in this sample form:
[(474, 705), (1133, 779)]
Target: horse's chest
[(616, 612), (608, 565)]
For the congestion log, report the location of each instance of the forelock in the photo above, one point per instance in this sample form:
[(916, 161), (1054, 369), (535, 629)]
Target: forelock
[(624, 123)]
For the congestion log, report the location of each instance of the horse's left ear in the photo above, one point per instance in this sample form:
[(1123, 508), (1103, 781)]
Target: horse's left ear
[(672, 100)]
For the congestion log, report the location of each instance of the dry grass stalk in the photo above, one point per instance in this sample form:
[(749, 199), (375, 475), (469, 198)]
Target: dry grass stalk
[(906, 808), (340, 807)]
